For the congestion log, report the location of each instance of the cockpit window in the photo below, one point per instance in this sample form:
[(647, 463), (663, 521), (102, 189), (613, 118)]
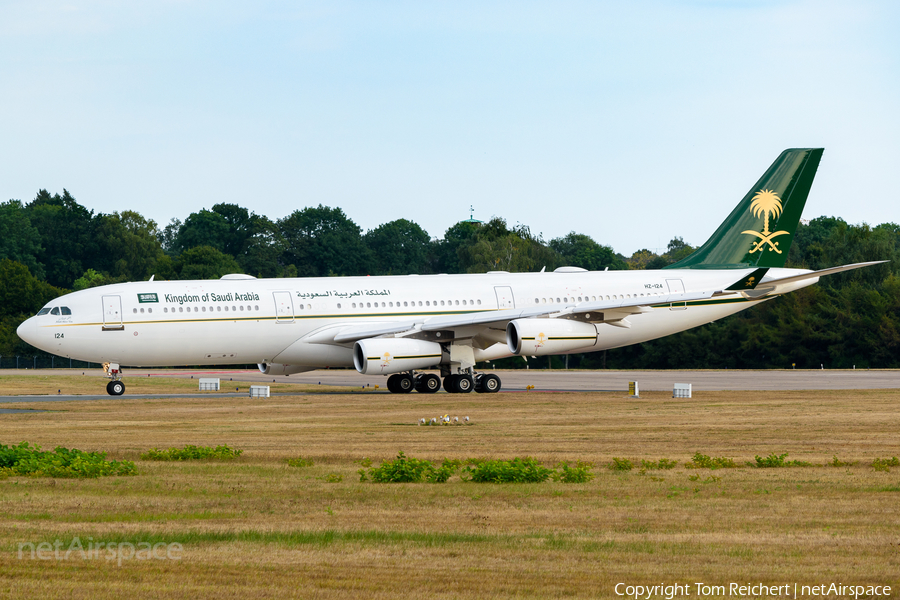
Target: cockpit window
[(43, 311), (55, 310), (64, 310)]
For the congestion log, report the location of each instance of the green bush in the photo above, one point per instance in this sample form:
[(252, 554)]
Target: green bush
[(620, 464), (189, 452), (772, 461), (662, 464), (702, 461), (840, 463), (25, 459), (404, 469), (409, 470), (517, 470), (580, 473), (885, 464), (299, 462)]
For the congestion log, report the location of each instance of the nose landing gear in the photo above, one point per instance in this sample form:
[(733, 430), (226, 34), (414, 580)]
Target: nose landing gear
[(115, 387)]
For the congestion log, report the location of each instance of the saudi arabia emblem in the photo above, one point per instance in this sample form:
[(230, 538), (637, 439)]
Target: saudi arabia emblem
[(768, 204)]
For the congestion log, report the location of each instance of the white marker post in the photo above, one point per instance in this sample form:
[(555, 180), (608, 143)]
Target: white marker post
[(633, 389)]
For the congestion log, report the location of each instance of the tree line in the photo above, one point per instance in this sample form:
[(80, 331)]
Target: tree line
[(53, 245)]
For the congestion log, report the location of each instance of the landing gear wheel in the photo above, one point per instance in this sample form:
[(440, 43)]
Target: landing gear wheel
[(450, 384), (115, 388), (400, 383), (392, 384), (487, 384), (428, 383), (464, 384), (405, 384)]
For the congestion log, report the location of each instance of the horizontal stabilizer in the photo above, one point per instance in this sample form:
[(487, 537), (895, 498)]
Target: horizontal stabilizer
[(767, 287)]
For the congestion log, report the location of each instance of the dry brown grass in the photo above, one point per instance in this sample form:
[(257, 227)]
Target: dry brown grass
[(256, 527)]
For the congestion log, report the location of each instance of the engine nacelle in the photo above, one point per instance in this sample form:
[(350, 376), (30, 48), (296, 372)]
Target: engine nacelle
[(275, 369), (394, 355), (540, 337)]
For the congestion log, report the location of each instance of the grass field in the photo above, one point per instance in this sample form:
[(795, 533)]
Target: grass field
[(255, 527)]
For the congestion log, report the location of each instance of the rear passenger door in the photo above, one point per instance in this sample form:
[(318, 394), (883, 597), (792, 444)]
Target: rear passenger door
[(284, 307)]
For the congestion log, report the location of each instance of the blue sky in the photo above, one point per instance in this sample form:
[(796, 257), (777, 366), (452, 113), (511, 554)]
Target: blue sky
[(630, 122)]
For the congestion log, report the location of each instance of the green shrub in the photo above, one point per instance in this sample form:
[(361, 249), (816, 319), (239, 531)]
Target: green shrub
[(710, 479), (517, 470), (885, 464), (442, 473), (772, 461), (25, 459), (840, 463), (702, 461), (334, 478), (404, 469), (662, 464), (299, 462), (190, 452), (620, 464), (580, 473), (409, 470)]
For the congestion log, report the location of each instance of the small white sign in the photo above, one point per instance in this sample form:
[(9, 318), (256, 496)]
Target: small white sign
[(209, 384), (681, 390), (259, 391)]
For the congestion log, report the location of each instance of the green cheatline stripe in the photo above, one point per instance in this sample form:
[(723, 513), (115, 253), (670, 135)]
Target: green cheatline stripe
[(276, 319), (405, 357), (710, 302)]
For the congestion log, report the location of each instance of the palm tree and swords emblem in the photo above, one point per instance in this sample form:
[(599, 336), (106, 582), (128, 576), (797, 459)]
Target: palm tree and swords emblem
[(768, 204)]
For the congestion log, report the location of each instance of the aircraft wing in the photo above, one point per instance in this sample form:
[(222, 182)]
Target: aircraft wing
[(613, 312), (596, 311)]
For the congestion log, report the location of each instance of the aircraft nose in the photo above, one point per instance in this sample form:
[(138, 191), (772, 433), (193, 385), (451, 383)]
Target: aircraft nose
[(28, 331)]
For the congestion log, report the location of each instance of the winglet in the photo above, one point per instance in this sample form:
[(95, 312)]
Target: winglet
[(759, 231)]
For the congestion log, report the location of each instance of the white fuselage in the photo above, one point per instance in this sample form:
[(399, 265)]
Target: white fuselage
[(286, 321)]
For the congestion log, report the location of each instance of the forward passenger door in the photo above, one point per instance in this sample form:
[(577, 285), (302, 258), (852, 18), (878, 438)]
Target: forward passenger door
[(112, 313)]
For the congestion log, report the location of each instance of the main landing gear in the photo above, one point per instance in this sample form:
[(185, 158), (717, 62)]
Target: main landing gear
[(115, 387), (428, 383)]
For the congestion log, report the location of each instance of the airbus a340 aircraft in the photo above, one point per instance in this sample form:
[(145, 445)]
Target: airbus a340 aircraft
[(396, 325)]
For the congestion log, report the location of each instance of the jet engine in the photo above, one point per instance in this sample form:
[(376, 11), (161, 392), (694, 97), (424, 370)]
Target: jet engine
[(394, 355), (540, 337), (275, 369)]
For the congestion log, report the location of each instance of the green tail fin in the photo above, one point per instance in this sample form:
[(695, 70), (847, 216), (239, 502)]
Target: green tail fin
[(759, 231)]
